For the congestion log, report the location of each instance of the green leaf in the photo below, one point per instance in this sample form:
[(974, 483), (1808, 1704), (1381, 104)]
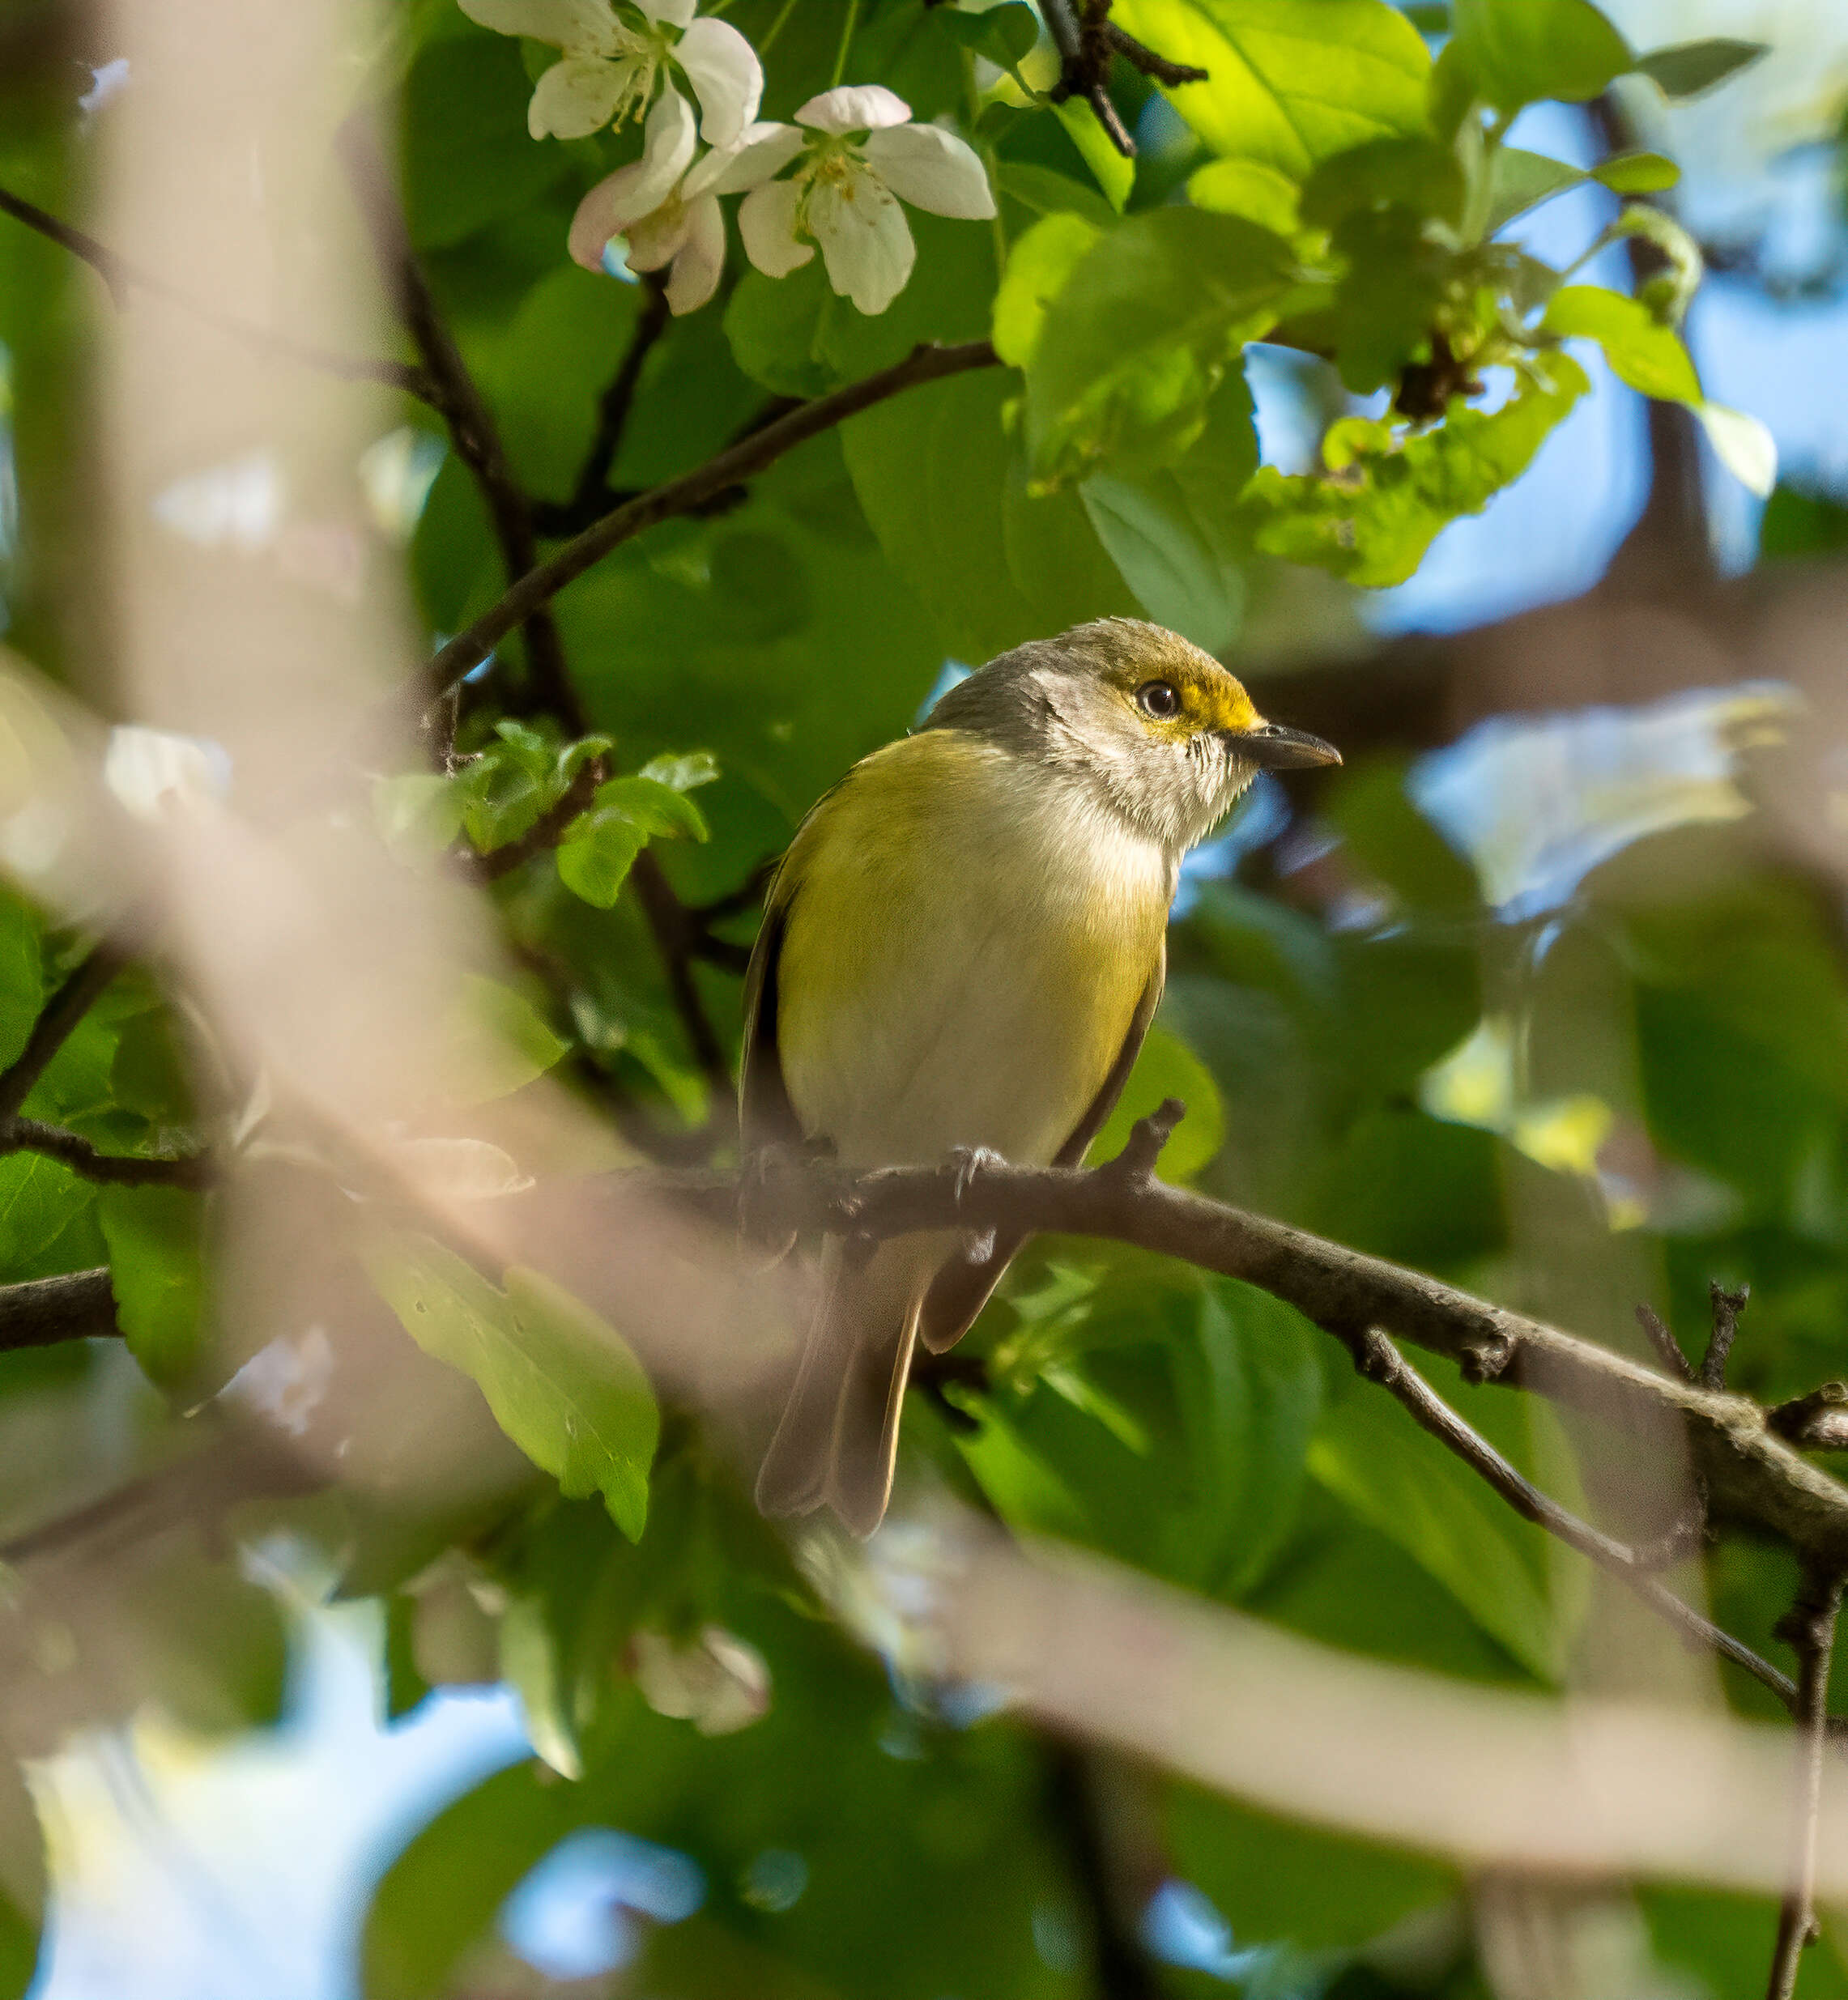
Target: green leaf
[(1041, 191), (1387, 498), (1387, 297), (1401, 1481), (1636, 173), (654, 809), (22, 1882), (1176, 535), (775, 325), (39, 1199), (1248, 187), (1688, 68), (595, 861), (1040, 265), (1518, 181), (684, 771), (419, 809), (22, 973), (497, 1043), (1167, 1067), (1115, 174), (1289, 82), (1134, 346), (939, 479), (1519, 53), (563, 1385), (1416, 173), (468, 158), (1642, 351), (156, 1240), (1004, 34)]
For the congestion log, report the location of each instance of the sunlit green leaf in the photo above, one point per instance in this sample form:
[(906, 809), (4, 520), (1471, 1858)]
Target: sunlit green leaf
[(1642, 351), (1113, 173), (1538, 49), (562, 1384), (1039, 267), (1385, 500), (1519, 180), (1289, 82), (1248, 188), (1636, 173), (1142, 335)]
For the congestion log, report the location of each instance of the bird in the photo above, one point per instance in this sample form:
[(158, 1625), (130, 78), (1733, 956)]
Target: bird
[(961, 951)]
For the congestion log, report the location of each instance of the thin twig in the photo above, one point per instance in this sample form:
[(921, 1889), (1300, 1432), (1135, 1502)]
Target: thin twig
[(1380, 1361), (1662, 1338), (472, 426), (547, 830), (1809, 1626), (1727, 1306), (56, 1022), (684, 494), (127, 1170), (590, 497), (1121, 1966), (121, 277)]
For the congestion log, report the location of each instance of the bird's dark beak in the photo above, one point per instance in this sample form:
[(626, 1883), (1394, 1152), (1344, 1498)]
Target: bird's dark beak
[(1272, 747)]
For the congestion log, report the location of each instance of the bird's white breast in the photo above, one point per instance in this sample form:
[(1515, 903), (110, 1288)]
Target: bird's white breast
[(968, 939)]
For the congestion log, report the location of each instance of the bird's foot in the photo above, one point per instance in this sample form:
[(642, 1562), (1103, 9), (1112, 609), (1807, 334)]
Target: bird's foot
[(759, 1222), (965, 1162)]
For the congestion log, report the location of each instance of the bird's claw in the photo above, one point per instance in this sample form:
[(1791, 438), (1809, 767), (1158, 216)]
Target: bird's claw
[(965, 1162)]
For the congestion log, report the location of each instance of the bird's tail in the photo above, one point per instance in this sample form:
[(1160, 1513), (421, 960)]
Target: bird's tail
[(838, 1438)]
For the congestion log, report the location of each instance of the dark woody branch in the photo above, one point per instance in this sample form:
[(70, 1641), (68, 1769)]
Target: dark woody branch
[(1088, 41), (690, 491), (1750, 1476)]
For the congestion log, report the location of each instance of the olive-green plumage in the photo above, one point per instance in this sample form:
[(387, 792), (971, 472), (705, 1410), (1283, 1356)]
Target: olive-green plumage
[(962, 949)]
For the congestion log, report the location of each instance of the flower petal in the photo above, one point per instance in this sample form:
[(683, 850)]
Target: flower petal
[(695, 276), (767, 223), (854, 108), (766, 150), (675, 13), (726, 77), (606, 212), (576, 96), (565, 23), (667, 149), (866, 242), (932, 168)]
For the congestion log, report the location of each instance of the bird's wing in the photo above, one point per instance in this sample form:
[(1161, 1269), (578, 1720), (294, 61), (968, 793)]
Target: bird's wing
[(766, 1117), (960, 1289)]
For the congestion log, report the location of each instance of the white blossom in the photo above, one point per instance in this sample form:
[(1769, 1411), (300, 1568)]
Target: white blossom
[(664, 206), (613, 55), (859, 158)]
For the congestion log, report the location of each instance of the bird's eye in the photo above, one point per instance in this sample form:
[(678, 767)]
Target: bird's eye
[(1159, 698)]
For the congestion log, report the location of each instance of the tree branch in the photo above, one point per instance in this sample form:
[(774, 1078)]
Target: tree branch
[(1809, 1626), (80, 1305), (1752, 1477), (121, 277), (684, 494), (471, 425), (1088, 41), (126, 1170)]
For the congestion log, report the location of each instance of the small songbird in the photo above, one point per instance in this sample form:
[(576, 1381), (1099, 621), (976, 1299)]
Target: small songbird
[(962, 950)]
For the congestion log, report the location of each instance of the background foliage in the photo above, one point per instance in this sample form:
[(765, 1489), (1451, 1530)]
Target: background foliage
[(1644, 1075)]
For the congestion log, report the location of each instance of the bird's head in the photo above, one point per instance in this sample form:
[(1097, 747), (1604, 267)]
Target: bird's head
[(1158, 729)]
